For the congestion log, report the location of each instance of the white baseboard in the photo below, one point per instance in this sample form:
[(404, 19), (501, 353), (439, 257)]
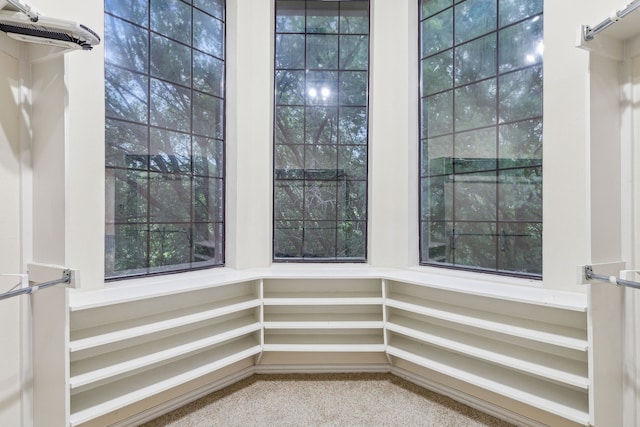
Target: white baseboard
[(321, 369), (180, 401), (464, 398)]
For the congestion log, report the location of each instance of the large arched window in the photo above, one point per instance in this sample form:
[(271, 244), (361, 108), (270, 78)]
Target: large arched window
[(321, 130), (164, 76), (481, 135)]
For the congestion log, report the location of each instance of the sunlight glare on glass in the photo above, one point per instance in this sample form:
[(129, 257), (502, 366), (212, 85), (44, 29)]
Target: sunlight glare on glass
[(532, 57), (313, 92)]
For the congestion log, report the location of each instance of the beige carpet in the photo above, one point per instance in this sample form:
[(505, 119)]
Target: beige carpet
[(325, 400)]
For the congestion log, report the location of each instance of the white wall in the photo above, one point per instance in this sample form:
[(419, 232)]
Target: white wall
[(10, 239)]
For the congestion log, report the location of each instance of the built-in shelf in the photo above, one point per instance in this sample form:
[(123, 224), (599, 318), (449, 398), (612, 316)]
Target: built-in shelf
[(110, 333), (538, 331), (526, 360), (117, 363), (124, 346), (556, 399), (116, 395)]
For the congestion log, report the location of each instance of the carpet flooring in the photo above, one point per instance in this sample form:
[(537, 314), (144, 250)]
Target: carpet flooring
[(325, 400)]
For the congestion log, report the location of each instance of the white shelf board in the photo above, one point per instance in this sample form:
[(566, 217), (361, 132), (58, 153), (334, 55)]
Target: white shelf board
[(321, 342), (95, 369), (325, 348), (526, 360), (111, 397), (542, 332), (151, 287), (320, 299), (373, 324), (562, 401), (505, 288), (114, 332)]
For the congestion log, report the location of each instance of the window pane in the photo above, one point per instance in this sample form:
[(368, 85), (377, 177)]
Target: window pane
[(290, 125), (287, 239), (476, 60), (133, 10), (322, 88), (290, 18), (320, 239), (437, 113), (521, 45), (170, 152), (208, 116), (169, 246), (208, 155), (321, 125), (130, 194), (352, 200), (320, 150), (208, 199), (475, 196), (171, 18), (125, 44), (354, 52), (290, 87), (476, 150), (475, 245), (170, 60), (351, 240), (290, 51), (436, 33), (521, 95), (437, 73), (208, 244), (208, 74), (353, 158), (352, 123), (353, 88), (289, 200), (322, 17), (520, 193), (515, 10), (474, 18), (322, 52), (126, 95), (214, 7), (476, 105), (429, 7), (128, 148), (521, 143), (169, 197), (208, 34), (170, 106), (354, 17), (437, 155), (520, 248)]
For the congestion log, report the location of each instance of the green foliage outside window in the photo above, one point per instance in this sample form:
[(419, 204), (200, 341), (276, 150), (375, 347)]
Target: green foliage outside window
[(164, 101), (321, 121), (481, 135)]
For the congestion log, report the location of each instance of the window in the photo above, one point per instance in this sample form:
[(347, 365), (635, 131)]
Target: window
[(481, 135), (321, 124), (164, 77)]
